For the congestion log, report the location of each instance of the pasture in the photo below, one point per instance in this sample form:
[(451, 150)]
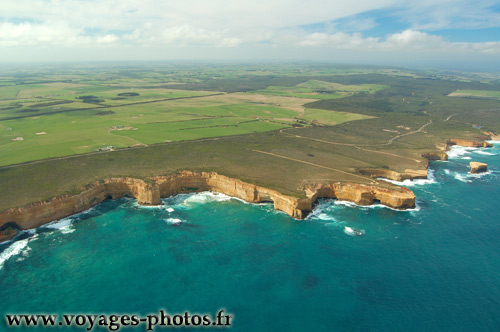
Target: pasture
[(476, 94), (46, 120)]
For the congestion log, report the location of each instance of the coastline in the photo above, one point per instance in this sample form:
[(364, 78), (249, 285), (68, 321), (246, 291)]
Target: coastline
[(150, 192)]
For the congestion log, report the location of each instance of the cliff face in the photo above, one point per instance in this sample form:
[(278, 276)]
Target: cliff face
[(149, 193), (475, 144), (189, 182), (449, 143), (393, 175), (398, 198), (37, 214), (435, 156)]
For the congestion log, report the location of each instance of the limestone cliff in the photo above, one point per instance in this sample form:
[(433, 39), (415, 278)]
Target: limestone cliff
[(449, 143), (477, 167), (435, 156), (408, 174), (398, 198), (59, 207), (462, 142), (150, 192)]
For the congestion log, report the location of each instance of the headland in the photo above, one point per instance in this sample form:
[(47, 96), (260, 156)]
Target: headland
[(149, 191)]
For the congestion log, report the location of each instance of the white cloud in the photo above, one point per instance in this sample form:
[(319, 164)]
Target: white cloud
[(121, 14), (339, 40), (107, 39), (220, 25), (408, 41), (39, 34), (413, 40)]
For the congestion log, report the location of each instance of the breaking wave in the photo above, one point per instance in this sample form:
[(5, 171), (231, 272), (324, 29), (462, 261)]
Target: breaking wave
[(174, 221), (416, 182), (16, 248), (353, 231), (469, 177), (485, 153), (184, 201), (151, 207), (375, 206), (65, 225), (458, 151)]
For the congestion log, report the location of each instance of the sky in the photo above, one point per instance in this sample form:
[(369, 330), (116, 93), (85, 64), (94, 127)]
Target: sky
[(443, 33)]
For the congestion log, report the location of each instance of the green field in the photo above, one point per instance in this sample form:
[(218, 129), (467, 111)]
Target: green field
[(476, 94), (315, 89), (331, 118), (45, 120)]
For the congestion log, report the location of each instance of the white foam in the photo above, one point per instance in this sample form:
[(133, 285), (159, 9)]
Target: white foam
[(173, 221), (353, 232), (326, 217), (457, 151), (207, 196), (484, 153), (479, 175), (152, 207), (32, 233), (16, 248), (461, 177), (347, 203), (467, 158), (416, 182), (63, 225), (493, 142), (469, 177), (375, 206), (170, 210)]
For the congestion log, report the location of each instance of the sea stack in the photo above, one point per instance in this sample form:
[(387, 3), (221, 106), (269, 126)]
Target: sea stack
[(477, 167)]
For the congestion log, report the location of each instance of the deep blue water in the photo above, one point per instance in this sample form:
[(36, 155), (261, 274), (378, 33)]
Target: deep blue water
[(436, 268)]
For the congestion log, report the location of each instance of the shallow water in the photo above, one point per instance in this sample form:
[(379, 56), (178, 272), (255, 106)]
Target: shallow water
[(344, 268)]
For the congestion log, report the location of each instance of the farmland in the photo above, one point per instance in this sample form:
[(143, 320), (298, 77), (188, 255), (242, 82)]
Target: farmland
[(54, 119), (476, 94)]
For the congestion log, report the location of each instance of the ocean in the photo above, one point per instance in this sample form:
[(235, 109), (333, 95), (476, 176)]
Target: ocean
[(344, 268)]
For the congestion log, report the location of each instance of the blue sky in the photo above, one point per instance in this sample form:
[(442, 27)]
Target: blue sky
[(362, 31)]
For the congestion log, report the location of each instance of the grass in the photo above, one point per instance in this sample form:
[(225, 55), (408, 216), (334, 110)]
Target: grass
[(476, 94), (195, 129), (316, 89), (331, 118), (148, 116)]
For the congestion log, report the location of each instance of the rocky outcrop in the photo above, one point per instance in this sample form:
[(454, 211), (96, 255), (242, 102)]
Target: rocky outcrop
[(477, 167), (435, 156), (149, 193), (408, 174), (449, 143), (468, 143), (492, 135), (398, 198)]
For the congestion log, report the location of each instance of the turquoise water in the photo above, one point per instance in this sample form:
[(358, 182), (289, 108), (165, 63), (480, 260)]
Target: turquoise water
[(436, 268)]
